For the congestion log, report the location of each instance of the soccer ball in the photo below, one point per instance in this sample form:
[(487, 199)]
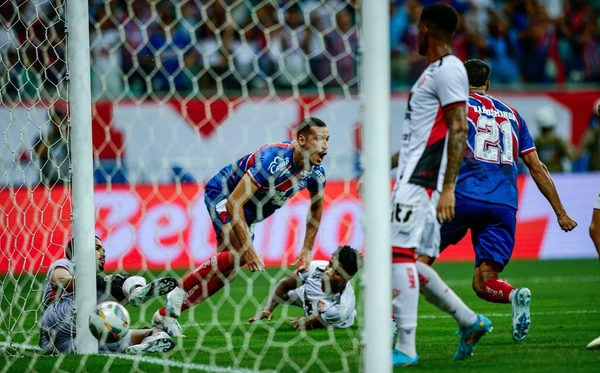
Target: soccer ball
[(109, 322)]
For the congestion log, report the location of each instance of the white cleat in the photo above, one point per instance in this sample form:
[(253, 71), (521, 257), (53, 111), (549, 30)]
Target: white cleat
[(595, 344), (168, 324), (158, 341), (156, 288), (521, 320), (175, 301)]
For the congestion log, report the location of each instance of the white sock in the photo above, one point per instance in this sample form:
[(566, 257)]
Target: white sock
[(131, 283), (440, 295), (405, 284)]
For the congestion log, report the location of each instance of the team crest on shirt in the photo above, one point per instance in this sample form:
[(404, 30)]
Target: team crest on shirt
[(278, 164), (321, 306)]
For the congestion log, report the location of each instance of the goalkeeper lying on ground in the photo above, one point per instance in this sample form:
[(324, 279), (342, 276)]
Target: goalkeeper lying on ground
[(57, 325), (324, 291)]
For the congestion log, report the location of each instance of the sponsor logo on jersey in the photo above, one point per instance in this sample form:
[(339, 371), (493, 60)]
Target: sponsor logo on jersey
[(321, 306), (320, 175), (278, 164)]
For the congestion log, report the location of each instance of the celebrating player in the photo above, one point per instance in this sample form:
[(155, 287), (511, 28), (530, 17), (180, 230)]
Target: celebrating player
[(243, 194), (432, 147), (57, 325), (487, 194), (325, 294)]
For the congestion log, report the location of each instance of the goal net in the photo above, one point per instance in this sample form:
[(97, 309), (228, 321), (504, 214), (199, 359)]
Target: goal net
[(180, 90)]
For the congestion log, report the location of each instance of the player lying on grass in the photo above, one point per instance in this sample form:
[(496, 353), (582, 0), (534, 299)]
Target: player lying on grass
[(323, 290), (57, 325), (243, 194), (487, 196)]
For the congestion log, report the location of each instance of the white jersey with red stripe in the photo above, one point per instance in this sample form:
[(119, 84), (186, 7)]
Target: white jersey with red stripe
[(442, 86)]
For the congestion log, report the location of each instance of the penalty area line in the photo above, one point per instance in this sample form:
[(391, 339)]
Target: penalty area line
[(574, 312), (148, 360)]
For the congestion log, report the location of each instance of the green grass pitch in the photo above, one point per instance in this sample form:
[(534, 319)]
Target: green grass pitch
[(565, 317)]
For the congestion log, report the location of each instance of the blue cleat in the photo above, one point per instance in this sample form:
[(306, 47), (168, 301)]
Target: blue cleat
[(399, 359), (521, 321), (470, 336)]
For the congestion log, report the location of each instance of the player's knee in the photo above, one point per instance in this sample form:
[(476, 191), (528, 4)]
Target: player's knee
[(595, 233)]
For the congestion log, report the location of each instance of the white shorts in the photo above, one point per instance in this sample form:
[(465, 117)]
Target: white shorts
[(414, 221), (597, 202)]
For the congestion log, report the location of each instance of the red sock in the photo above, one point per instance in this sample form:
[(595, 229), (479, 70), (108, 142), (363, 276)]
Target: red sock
[(202, 278), (497, 291)]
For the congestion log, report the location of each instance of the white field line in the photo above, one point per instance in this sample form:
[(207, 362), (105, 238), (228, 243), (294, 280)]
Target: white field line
[(150, 360), (523, 281), (551, 313)]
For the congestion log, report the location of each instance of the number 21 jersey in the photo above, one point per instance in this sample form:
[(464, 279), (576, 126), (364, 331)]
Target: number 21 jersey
[(497, 137)]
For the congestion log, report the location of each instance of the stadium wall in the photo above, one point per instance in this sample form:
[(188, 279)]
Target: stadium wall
[(167, 226), (152, 142)]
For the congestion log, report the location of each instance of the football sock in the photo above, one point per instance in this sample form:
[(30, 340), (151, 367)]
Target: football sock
[(440, 295), (205, 280), (405, 304), (497, 291)]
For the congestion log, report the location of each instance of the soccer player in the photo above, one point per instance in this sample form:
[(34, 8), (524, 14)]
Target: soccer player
[(487, 195), (57, 325), (243, 194), (325, 294), (432, 147)]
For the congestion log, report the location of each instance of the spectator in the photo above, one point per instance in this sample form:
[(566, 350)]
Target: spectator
[(501, 46), (107, 60), (52, 149), (398, 25), (410, 39), (590, 141), (136, 24), (579, 25), (341, 49), (554, 152)]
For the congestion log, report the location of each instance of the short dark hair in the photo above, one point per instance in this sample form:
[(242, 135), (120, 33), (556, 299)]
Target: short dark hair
[(349, 258), (478, 72), (441, 15), (69, 251), (306, 124)]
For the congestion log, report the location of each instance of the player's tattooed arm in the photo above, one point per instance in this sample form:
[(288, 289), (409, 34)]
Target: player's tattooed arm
[(456, 118), (543, 180), (63, 279), (313, 222), (242, 193), (279, 296)]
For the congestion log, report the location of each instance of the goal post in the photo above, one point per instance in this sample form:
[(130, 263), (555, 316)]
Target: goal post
[(375, 86), (80, 120)]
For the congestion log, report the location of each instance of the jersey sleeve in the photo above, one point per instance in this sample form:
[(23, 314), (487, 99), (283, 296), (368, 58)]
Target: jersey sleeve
[(526, 144), (452, 85), (264, 167), (317, 181)]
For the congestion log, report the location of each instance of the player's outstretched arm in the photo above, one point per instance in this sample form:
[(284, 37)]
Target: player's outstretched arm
[(543, 180), (313, 220), (456, 119), (242, 193), (63, 279), (279, 296)]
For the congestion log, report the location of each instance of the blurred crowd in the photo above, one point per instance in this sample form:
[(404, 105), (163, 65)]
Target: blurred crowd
[(145, 47)]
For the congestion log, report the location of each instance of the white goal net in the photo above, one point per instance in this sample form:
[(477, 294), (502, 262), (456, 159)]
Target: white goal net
[(180, 89)]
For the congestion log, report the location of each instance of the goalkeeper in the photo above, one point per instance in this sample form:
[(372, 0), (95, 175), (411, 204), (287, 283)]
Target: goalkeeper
[(57, 322), (325, 292)]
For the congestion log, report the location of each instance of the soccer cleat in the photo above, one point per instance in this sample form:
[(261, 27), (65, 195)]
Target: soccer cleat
[(175, 301), (159, 341), (399, 359), (156, 288), (521, 315), (595, 344), (470, 336), (168, 324)]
